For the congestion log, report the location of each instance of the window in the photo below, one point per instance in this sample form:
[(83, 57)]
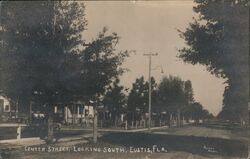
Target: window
[(86, 112)]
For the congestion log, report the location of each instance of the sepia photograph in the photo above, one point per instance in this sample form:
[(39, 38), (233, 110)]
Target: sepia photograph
[(132, 79)]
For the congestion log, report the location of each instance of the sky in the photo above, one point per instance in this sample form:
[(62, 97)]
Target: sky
[(151, 27)]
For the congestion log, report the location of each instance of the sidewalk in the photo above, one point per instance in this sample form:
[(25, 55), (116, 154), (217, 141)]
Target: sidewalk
[(12, 125), (115, 130), (65, 141), (15, 143), (21, 143)]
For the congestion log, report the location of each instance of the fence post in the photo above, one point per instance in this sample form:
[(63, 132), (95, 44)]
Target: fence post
[(126, 125)]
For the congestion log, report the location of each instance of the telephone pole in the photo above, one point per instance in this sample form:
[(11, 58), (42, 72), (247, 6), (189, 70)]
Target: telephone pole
[(149, 88)]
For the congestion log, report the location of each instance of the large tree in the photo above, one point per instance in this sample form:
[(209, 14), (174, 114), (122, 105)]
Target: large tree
[(45, 55), (44, 58), (171, 96), (101, 64), (39, 49), (219, 40)]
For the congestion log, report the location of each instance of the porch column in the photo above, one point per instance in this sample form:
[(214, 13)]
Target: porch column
[(66, 114), (78, 111), (19, 132)]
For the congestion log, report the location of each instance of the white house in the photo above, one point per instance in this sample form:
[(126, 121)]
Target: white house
[(4, 105), (75, 113)]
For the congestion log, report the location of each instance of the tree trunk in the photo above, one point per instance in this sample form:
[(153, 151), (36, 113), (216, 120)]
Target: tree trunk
[(50, 129), (178, 118), (50, 133)]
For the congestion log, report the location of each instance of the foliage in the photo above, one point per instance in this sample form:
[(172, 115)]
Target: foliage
[(170, 94), (195, 111), (43, 57), (219, 40), (188, 91), (101, 64), (115, 99), (39, 51), (138, 96)]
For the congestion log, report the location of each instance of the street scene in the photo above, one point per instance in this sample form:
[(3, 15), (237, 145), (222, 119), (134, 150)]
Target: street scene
[(124, 79)]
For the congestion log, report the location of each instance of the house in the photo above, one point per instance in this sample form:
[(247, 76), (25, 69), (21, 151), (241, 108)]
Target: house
[(75, 113), (4, 105), (7, 110)]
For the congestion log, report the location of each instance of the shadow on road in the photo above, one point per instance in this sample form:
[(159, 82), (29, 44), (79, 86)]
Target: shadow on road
[(191, 144)]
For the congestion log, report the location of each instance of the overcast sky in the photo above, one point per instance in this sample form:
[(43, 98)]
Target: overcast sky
[(152, 27)]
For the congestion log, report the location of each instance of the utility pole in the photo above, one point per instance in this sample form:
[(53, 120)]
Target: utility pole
[(1, 27), (50, 114), (149, 88)]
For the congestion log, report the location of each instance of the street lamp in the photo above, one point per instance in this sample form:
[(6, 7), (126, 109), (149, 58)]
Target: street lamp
[(160, 66)]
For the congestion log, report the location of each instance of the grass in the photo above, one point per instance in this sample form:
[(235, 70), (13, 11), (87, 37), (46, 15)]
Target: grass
[(11, 132)]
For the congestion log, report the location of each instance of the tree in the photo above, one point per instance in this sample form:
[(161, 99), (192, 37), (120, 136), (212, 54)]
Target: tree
[(115, 100), (219, 40), (171, 95), (138, 97), (196, 112), (100, 65), (39, 54), (174, 96), (188, 91), (42, 57)]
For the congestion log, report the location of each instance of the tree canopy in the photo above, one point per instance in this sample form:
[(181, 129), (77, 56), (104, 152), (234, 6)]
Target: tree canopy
[(101, 64), (44, 57), (40, 46), (115, 99), (170, 94), (219, 40), (196, 111), (138, 96)]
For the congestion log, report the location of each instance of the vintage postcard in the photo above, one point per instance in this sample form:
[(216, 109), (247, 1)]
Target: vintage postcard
[(124, 79)]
